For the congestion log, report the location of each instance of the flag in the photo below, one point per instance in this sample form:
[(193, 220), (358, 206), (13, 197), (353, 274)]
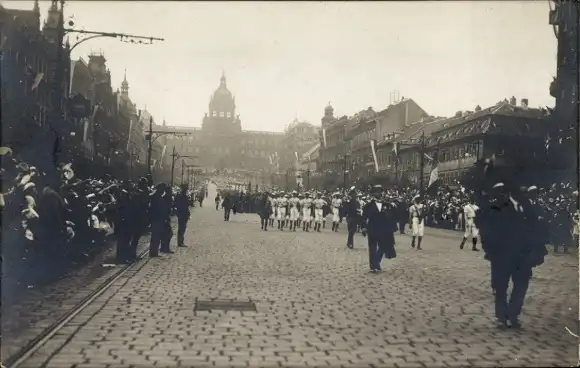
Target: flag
[(324, 137), (434, 176), (396, 149), (37, 80), (129, 135), (270, 158), (374, 155), (428, 157), (296, 154), (547, 143)]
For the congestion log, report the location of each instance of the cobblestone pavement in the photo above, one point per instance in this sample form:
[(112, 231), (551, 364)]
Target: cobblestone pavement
[(40, 307), (317, 306)]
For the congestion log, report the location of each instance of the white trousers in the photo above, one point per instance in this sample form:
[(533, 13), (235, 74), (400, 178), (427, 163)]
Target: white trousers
[(318, 215), (335, 215), (294, 213), (418, 227), (273, 214), (306, 214), (281, 213), (471, 230)]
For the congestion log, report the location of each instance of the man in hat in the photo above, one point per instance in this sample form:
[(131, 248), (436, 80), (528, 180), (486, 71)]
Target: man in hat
[(274, 208), (378, 221), (282, 205), (183, 214), (471, 231), (293, 204), (319, 204), (336, 204), (351, 209), (306, 210), (264, 208), (416, 221)]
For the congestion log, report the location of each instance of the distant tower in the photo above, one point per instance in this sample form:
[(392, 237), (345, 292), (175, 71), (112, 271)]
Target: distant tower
[(51, 23), (125, 86), (328, 115), (222, 111)]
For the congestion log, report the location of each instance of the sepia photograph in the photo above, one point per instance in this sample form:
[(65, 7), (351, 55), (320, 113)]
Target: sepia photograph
[(289, 184)]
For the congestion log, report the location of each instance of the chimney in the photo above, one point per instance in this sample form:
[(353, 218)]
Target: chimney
[(525, 103), (513, 101)]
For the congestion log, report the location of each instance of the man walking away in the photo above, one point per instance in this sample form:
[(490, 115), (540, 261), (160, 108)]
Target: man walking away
[(264, 208), (183, 214), (351, 208), (381, 226), (217, 202), (158, 214), (227, 206), (167, 230)]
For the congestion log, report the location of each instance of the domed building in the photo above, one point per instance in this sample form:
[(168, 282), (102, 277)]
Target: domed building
[(221, 117)]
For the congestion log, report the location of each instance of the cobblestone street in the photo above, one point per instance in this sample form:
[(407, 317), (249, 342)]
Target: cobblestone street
[(317, 306)]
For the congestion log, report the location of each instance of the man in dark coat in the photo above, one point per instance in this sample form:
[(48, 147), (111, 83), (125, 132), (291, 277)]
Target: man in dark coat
[(507, 227), (227, 206), (140, 215), (183, 214), (380, 224), (351, 212), (160, 210), (264, 210)]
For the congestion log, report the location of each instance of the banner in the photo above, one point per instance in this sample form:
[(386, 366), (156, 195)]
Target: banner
[(324, 137), (434, 176), (374, 154)]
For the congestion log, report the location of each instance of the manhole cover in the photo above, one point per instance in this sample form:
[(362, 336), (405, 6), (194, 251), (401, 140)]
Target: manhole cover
[(225, 305)]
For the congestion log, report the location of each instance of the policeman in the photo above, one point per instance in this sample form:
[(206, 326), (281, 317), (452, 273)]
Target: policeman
[(183, 214)]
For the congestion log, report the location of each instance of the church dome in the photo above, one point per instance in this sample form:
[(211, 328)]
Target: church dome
[(222, 96)]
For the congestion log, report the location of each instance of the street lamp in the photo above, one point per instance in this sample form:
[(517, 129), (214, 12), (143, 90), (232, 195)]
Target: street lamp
[(182, 165)]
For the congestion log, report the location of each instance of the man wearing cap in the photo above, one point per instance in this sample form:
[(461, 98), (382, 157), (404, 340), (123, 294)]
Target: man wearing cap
[(377, 219), (351, 209), (264, 209), (416, 221), (293, 203), (274, 208), (282, 206), (336, 203), (471, 231), (306, 209), (319, 205)]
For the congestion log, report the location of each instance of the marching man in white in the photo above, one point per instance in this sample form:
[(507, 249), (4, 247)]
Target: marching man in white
[(471, 231), (336, 203), (306, 208), (319, 204), (416, 221), (274, 204), (294, 213), (282, 204)]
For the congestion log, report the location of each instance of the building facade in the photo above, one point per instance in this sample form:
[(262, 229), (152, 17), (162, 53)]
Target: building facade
[(299, 138)]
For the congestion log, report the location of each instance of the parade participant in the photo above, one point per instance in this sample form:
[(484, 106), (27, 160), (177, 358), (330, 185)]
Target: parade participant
[(264, 210), (274, 208), (319, 204), (183, 214), (378, 220), (300, 207), (282, 204), (416, 221), (217, 201), (507, 230), (336, 203), (227, 206), (325, 209), (158, 217), (293, 203), (306, 212), (471, 230), (351, 209)]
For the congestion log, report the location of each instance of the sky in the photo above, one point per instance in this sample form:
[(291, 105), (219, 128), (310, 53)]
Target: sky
[(285, 60)]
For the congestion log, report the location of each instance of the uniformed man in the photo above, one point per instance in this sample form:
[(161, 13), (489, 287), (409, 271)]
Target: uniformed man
[(336, 203), (293, 203), (274, 204), (319, 204), (471, 231), (300, 206), (416, 221), (282, 204), (306, 211), (264, 210)]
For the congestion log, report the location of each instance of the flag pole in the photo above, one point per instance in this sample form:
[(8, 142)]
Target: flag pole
[(422, 184)]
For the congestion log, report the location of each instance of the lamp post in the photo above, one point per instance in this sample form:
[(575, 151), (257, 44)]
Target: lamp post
[(149, 137), (182, 164)]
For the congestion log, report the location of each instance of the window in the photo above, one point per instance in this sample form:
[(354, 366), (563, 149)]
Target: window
[(229, 114), (221, 114), (214, 114)]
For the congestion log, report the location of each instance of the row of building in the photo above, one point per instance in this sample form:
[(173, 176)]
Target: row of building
[(101, 123)]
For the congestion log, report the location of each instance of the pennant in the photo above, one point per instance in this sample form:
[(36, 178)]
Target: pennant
[(374, 155), (296, 154), (547, 143), (37, 81), (434, 176), (324, 137), (396, 148), (73, 63)]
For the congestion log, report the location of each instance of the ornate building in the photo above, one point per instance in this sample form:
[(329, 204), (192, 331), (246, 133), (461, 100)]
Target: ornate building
[(221, 144)]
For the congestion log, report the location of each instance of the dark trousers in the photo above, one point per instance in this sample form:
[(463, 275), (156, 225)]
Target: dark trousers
[(157, 227), (351, 224), (264, 221), (375, 251), (181, 227), (502, 271), (227, 214), (217, 204), (402, 226), (123, 237), (167, 234)]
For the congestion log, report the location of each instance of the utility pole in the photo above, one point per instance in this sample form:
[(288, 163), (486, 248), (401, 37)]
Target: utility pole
[(422, 164), (344, 172), (173, 156), (150, 147)]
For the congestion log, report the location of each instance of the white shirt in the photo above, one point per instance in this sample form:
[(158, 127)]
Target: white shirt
[(469, 210), (379, 205)]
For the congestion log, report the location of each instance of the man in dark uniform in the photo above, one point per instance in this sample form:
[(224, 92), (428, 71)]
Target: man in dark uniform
[(264, 210), (183, 214), (167, 230), (351, 212), (140, 214), (217, 201), (381, 226), (227, 206)]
